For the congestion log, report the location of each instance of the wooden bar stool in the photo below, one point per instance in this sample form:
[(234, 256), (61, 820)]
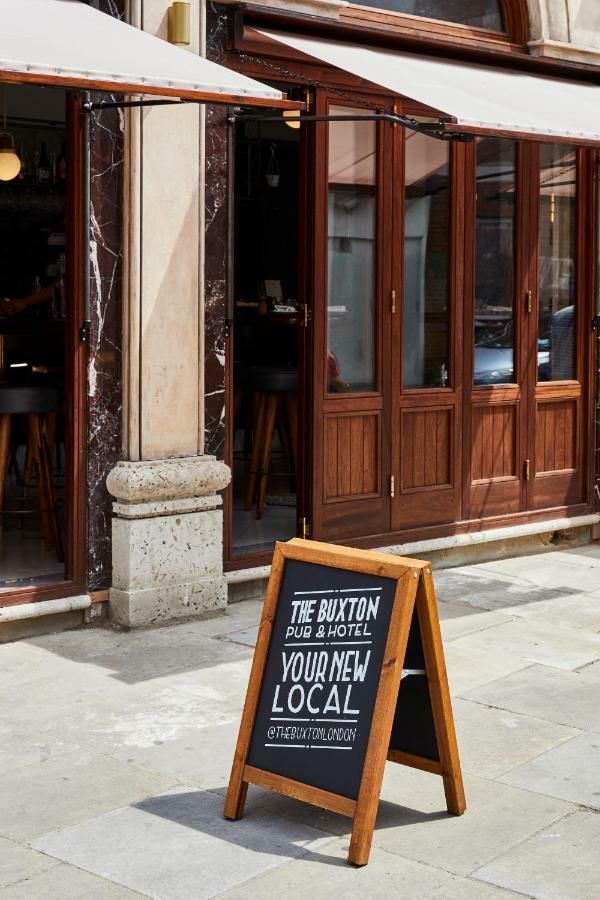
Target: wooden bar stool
[(40, 405), (275, 392)]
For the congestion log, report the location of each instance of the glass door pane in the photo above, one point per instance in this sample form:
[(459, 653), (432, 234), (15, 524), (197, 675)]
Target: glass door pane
[(352, 252), (494, 358), (557, 262), (426, 262)]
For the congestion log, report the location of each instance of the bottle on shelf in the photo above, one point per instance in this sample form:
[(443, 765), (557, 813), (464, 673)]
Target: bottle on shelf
[(62, 164), (44, 172)]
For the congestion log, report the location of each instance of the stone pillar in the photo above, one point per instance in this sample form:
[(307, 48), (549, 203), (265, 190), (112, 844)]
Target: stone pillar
[(167, 526), (565, 29), (167, 540)]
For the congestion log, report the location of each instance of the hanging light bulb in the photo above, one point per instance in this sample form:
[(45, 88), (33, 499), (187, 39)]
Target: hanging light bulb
[(10, 164), (292, 118)]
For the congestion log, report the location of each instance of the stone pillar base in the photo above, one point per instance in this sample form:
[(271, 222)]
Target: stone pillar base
[(167, 540)]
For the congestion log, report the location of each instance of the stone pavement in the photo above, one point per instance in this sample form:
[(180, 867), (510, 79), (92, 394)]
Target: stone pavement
[(116, 748)]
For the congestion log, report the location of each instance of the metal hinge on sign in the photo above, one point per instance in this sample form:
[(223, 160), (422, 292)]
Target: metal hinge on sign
[(527, 471), (392, 486), (304, 527), (529, 301), (393, 301), (306, 312)]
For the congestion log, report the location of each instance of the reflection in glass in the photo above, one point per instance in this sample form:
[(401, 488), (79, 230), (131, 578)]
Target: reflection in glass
[(558, 238), (351, 282), (494, 360), (475, 13), (426, 256)]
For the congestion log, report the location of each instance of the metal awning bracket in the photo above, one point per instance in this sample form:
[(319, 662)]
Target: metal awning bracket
[(436, 129)]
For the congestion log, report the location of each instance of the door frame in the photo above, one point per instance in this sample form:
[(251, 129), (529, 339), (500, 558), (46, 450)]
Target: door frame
[(76, 411), (328, 510), (233, 562)]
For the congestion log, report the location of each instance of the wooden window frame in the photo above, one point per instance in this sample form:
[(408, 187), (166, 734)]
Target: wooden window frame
[(515, 16)]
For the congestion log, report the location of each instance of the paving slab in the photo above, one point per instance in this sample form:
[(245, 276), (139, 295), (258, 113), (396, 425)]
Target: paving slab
[(63, 882), (201, 757), (99, 714), (562, 862), (178, 845), (567, 698), (69, 788), (580, 611), (482, 589), (544, 572), (586, 555), (21, 746), (570, 771), (592, 670), (413, 820), (248, 636), (22, 663), (492, 741), (538, 642), (18, 863), (325, 873), (469, 667), (460, 619)]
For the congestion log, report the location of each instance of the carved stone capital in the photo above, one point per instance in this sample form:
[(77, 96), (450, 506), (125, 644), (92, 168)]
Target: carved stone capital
[(167, 479)]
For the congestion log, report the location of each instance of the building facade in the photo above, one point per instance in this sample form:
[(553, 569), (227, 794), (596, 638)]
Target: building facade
[(351, 329)]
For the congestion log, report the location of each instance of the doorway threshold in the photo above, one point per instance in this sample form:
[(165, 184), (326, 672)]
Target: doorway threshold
[(454, 550)]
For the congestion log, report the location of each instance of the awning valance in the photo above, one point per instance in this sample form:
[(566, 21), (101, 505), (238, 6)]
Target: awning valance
[(68, 43), (476, 98)]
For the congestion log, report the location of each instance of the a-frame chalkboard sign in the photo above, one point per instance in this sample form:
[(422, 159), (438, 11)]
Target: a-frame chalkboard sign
[(348, 671)]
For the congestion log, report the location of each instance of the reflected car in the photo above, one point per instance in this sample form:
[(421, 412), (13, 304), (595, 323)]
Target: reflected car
[(494, 357)]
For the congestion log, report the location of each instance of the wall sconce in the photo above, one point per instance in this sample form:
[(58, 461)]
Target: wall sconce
[(179, 23)]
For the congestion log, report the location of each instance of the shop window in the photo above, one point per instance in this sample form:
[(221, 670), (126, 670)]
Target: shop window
[(426, 263), (473, 13), (557, 262), (352, 254), (494, 361)]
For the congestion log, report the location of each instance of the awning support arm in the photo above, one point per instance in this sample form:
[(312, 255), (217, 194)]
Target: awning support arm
[(90, 106), (435, 129)]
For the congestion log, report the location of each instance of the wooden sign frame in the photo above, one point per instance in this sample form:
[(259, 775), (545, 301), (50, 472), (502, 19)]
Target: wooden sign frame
[(414, 591)]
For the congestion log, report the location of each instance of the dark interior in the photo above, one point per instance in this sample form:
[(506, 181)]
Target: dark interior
[(267, 317), (32, 340)]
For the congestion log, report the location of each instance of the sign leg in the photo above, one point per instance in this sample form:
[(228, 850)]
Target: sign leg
[(381, 724), (440, 694), (362, 835), (236, 796)]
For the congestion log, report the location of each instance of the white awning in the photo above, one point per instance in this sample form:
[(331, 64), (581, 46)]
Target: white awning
[(478, 99), (68, 43)]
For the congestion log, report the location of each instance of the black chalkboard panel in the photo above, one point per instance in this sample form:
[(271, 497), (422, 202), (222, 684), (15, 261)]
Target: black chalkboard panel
[(321, 676), (413, 730)]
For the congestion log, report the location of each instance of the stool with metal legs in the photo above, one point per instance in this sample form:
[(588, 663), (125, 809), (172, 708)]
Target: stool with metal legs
[(37, 403)]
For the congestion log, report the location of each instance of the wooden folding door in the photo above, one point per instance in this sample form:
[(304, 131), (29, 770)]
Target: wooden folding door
[(351, 334)]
